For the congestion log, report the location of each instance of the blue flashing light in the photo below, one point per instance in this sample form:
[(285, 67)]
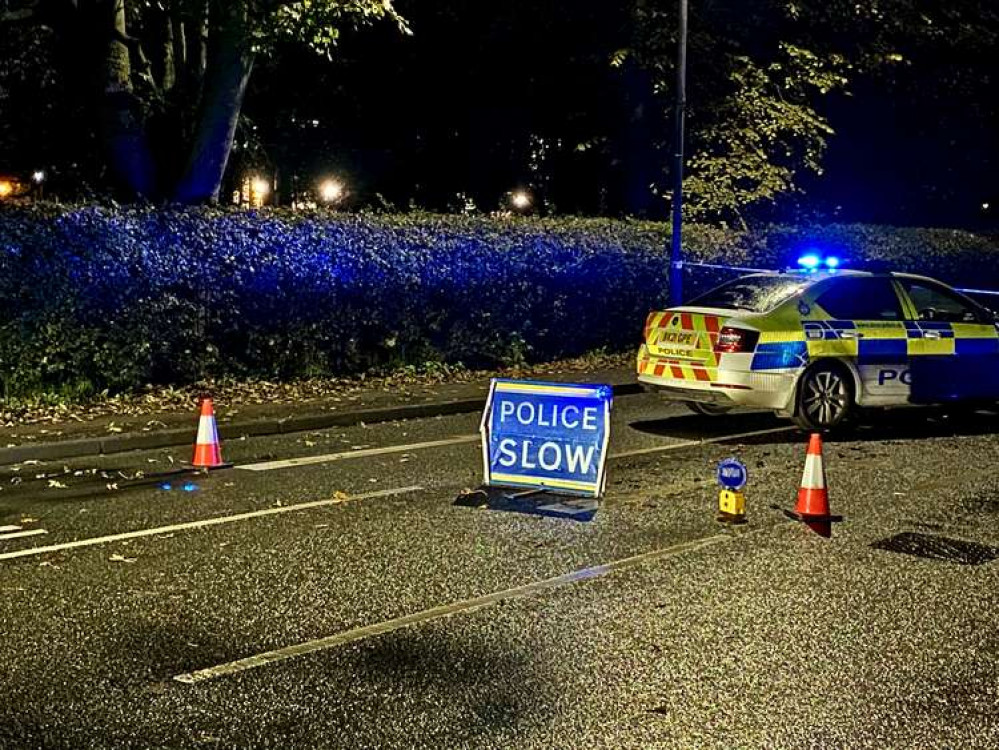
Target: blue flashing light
[(810, 261), (190, 487), (832, 262), (166, 486)]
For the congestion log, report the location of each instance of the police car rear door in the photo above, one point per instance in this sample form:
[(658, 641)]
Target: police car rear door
[(866, 326)]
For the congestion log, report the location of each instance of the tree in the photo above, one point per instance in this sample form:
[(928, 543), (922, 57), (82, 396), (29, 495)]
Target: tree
[(168, 78), (762, 73), (754, 127)]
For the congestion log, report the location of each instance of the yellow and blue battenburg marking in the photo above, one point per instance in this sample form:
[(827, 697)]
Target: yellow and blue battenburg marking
[(550, 436), (874, 342)]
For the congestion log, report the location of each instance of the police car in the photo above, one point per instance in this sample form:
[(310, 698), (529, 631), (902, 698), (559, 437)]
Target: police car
[(814, 346)]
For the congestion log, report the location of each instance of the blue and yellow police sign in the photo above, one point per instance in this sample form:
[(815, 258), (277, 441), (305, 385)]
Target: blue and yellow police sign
[(549, 436)]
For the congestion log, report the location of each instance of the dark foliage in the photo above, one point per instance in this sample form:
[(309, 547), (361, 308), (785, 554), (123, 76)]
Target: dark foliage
[(100, 298)]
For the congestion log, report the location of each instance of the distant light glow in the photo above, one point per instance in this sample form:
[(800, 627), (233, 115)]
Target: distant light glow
[(38, 177), (832, 262), (810, 261), (986, 206), (521, 200), (331, 190), (6, 188), (260, 186)]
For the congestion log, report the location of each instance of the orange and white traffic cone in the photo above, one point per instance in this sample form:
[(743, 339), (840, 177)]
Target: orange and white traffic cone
[(207, 450), (813, 495)]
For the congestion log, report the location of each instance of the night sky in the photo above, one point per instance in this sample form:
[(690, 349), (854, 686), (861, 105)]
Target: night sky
[(485, 98)]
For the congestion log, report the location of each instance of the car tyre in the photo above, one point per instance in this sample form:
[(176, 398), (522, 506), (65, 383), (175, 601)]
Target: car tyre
[(825, 397), (708, 410)]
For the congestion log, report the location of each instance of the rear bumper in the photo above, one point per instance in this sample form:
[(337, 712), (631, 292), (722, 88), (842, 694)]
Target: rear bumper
[(732, 382)]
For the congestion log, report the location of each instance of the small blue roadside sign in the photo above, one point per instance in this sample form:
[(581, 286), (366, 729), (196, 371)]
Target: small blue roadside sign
[(732, 474), (547, 436)]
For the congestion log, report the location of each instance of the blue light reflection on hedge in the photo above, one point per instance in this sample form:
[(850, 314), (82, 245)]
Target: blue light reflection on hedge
[(100, 298)]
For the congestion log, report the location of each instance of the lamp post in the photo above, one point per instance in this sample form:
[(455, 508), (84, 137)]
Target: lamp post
[(39, 179), (676, 247)]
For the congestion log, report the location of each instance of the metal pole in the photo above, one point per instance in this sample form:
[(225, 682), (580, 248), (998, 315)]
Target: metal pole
[(676, 248)]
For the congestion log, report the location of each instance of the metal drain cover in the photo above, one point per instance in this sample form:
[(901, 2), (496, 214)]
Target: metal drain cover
[(938, 548)]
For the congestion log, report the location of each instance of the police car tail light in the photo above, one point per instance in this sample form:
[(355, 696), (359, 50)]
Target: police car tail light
[(734, 340)]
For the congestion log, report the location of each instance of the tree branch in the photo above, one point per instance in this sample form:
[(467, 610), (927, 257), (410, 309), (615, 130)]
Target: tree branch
[(143, 68), (24, 14)]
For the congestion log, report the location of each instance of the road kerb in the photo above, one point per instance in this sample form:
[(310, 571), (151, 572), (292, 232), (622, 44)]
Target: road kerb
[(121, 443)]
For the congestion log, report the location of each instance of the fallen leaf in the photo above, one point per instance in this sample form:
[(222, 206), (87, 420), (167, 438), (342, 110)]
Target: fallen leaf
[(56, 484), (119, 558), (112, 485)]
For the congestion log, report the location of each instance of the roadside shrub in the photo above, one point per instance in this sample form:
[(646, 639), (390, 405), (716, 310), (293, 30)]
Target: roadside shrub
[(99, 299)]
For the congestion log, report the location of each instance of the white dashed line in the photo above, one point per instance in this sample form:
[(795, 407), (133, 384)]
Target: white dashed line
[(218, 520), (467, 439), (705, 441), (367, 453), (22, 534), (437, 613)]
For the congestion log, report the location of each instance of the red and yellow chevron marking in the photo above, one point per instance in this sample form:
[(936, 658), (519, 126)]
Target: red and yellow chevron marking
[(674, 368), (681, 335)]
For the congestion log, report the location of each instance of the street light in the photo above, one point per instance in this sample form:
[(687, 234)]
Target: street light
[(331, 191), (259, 188), (38, 177), (521, 200)]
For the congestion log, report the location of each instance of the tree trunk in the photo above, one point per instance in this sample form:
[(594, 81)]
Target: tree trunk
[(230, 62), (122, 121)]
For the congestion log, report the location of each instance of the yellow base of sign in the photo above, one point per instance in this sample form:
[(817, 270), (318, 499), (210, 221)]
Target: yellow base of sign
[(731, 507)]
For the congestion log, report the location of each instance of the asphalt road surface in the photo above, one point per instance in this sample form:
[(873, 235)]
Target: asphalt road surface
[(348, 602)]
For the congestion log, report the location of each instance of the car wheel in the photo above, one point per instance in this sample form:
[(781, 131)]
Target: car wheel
[(825, 397), (708, 410)]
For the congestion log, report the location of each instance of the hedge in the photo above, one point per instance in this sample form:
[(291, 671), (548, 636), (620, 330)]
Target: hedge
[(111, 299)]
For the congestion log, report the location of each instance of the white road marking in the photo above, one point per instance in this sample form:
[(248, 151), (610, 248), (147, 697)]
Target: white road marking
[(367, 453), (705, 441), (465, 439), (437, 613), (202, 524), (21, 534), (5, 529)]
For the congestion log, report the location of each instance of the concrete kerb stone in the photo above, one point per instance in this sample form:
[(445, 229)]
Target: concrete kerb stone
[(58, 450)]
